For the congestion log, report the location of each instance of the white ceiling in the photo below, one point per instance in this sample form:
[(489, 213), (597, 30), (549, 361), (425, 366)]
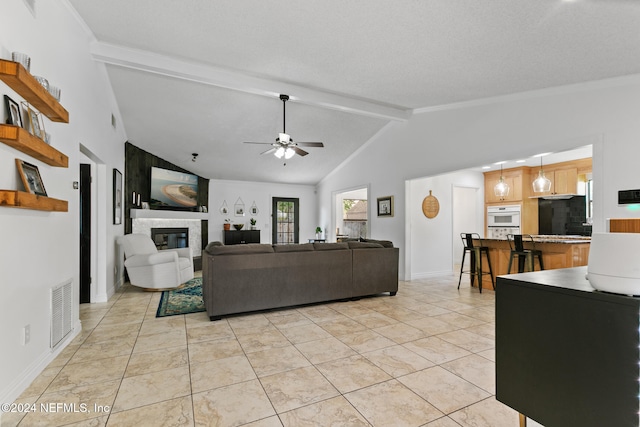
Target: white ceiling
[(203, 76)]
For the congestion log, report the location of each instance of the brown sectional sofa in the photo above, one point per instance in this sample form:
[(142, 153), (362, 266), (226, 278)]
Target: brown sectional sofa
[(251, 277)]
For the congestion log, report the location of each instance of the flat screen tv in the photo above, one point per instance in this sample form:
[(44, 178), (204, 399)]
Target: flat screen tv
[(173, 190)]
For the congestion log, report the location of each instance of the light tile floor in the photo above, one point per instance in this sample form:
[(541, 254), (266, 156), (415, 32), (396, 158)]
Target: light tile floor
[(422, 358)]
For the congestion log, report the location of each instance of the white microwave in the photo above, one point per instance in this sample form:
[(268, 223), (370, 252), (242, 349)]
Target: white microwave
[(503, 216)]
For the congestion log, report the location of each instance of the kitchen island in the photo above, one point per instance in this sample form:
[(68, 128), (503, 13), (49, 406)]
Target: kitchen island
[(557, 252)]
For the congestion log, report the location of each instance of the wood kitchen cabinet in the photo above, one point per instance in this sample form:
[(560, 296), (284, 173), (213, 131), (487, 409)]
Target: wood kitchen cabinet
[(512, 177), (563, 181)]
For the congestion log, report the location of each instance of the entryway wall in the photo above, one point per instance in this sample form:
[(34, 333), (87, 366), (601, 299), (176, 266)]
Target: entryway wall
[(431, 241)]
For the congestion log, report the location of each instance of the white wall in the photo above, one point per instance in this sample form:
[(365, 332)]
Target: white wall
[(40, 249), (431, 240), (458, 137), (261, 193)]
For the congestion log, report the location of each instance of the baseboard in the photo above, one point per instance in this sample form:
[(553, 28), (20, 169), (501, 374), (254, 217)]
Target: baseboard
[(14, 390)]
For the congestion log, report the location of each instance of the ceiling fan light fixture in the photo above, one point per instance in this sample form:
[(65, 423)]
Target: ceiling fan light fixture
[(279, 152), (284, 138), (289, 153)]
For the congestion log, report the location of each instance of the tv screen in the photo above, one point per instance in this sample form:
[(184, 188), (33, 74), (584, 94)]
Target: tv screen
[(171, 189)]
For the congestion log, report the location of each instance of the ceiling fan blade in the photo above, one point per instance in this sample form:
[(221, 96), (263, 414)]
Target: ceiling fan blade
[(269, 151), (310, 144), (299, 151), (253, 142)]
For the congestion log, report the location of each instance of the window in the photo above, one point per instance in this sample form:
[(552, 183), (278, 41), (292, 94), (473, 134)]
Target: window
[(286, 221)]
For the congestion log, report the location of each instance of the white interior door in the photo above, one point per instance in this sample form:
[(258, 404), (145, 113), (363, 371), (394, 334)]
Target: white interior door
[(465, 219)]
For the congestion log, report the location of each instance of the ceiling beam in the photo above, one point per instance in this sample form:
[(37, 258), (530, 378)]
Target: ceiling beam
[(234, 80)]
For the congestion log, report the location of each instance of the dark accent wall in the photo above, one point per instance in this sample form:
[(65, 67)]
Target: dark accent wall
[(137, 177)]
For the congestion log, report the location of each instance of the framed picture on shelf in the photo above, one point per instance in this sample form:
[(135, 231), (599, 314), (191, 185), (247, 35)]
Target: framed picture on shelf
[(13, 109), (30, 176), (385, 206), (117, 197), (34, 122)]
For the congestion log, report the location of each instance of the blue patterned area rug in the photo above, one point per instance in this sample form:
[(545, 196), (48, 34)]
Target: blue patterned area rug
[(183, 300)]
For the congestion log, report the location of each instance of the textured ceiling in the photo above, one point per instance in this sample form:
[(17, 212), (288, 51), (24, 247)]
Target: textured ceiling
[(203, 76)]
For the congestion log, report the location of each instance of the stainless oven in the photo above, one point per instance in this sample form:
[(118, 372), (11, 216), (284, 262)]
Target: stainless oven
[(503, 216)]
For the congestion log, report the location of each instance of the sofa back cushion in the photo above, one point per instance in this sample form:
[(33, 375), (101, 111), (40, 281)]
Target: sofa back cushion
[(249, 248), (330, 246), (294, 248), (364, 245)]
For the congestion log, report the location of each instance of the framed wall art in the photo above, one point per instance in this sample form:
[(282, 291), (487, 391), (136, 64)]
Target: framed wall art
[(13, 109), (30, 176), (385, 206), (117, 197)]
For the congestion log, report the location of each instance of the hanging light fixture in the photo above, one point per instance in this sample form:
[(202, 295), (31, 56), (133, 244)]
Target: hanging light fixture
[(502, 188), (541, 184)]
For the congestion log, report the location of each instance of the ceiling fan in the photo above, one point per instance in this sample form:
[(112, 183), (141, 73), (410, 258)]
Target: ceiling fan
[(284, 145)]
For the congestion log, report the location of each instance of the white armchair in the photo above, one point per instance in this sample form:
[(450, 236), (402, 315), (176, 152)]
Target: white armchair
[(151, 269)]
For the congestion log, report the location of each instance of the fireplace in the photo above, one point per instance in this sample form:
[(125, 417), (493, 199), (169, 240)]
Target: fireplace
[(170, 238)]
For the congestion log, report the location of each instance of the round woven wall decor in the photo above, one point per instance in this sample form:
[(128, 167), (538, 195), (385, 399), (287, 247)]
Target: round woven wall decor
[(430, 206)]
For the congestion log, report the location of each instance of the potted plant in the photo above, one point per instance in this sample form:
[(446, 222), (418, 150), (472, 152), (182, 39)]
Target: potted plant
[(227, 224), (253, 223), (318, 232)]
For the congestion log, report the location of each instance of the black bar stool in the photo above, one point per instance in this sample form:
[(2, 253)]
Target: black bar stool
[(476, 251), (516, 243)]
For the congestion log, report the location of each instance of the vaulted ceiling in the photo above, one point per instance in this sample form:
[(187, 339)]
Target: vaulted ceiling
[(203, 76)]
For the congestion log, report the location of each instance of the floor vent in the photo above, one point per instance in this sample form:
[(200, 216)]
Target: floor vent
[(61, 309)]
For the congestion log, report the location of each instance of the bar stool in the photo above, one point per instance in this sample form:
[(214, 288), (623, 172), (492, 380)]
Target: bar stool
[(476, 252), (516, 243)]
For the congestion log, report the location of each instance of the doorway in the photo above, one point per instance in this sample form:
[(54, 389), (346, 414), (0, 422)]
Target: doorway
[(85, 233), (465, 219), (352, 213), (285, 221)]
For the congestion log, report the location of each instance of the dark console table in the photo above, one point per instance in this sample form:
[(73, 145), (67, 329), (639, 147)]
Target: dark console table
[(566, 354), (237, 237)]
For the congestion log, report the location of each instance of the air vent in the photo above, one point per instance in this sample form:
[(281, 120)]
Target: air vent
[(61, 308)]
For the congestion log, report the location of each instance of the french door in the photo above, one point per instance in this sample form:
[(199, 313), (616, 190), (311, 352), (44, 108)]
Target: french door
[(286, 220)]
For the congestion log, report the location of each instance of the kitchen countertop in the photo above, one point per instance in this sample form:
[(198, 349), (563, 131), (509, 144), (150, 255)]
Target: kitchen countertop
[(540, 238)]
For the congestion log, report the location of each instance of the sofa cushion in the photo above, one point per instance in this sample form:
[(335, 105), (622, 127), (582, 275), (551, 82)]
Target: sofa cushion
[(249, 248), (384, 243), (364, 245), (294, 248), (330, 246), (212, 245)]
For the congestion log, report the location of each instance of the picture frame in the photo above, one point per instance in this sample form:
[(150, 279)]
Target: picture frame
[(385, 206), (117, 197), (33, 122), (239, 207), (30, 176), (13, 109)]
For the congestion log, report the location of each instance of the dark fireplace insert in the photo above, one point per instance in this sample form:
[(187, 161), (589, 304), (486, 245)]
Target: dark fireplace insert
[(170, 238)]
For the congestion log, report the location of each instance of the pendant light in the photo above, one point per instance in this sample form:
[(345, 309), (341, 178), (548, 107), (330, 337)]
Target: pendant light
[(541, 184), (502, 188)]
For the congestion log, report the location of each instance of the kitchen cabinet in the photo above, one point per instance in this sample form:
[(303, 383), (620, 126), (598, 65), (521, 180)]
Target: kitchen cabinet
[(563, 181), (512, 177)]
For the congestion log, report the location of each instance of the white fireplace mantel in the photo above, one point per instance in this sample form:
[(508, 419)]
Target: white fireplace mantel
[(162, 214)]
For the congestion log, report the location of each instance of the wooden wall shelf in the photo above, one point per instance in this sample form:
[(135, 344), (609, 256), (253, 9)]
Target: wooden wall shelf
[(20, 199), (22, 140), (20, 80)]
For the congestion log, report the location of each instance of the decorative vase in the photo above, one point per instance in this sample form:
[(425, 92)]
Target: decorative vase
[(227, 226)]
